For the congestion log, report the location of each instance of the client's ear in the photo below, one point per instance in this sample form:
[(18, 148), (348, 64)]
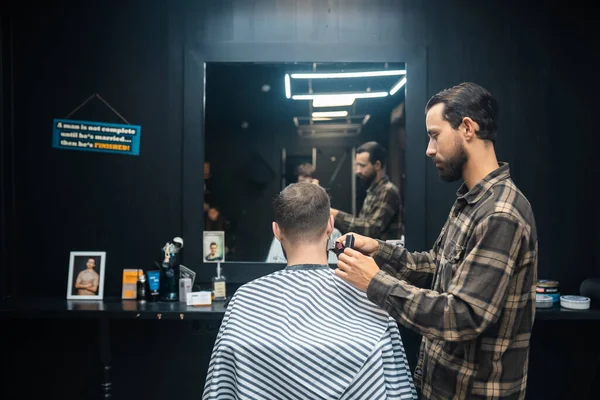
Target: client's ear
[(277, 231), (330, 225)]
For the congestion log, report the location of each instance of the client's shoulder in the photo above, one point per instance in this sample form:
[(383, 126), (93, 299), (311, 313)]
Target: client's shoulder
[(273, 277)]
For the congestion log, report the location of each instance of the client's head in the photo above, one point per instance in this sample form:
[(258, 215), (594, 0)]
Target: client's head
[(305, 172), (302, 217)]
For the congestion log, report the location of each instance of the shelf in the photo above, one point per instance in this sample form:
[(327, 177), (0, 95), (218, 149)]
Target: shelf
[(108, 308)]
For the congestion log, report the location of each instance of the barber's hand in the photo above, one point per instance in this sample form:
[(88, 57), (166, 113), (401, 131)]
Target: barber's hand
[(364, 244), (356, 268), (333, 212)]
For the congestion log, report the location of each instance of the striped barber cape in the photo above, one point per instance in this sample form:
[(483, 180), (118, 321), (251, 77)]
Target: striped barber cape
[(304, 333)]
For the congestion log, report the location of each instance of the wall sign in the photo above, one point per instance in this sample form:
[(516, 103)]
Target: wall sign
[(96, 136)]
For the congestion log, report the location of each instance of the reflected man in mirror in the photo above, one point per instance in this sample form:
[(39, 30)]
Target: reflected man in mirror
[(381, 214), (87, 280)]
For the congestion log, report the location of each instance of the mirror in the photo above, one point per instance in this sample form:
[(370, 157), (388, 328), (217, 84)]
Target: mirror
[(264, 120)]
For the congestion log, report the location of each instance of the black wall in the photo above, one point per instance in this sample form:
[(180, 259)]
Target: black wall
[(72, 200), (536, 62), (539, 62)]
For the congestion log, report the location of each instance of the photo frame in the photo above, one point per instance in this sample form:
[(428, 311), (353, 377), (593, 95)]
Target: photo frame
[(86, 275), (214, 247)]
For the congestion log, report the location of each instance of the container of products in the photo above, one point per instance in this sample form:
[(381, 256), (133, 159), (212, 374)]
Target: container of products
[(543, 301), (549, 288), (575, 302)]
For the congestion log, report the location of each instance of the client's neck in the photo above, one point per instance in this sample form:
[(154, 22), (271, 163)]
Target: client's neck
[(306, 253)]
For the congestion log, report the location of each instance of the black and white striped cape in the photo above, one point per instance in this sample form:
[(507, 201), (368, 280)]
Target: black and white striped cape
[(303, 333)]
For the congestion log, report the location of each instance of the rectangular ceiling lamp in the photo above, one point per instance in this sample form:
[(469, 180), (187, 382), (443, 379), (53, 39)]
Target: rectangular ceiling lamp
[(330, 114), (360, 95), (334, 75), (334, 101), (397, 86), (288, 89)]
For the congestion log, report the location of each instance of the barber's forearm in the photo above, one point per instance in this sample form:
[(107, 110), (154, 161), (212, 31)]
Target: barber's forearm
[(342, 221), (347, 223), (416, 268), (436, 316)]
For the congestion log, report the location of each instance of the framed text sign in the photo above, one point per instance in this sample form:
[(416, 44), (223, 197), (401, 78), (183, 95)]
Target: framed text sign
[(96, 136)]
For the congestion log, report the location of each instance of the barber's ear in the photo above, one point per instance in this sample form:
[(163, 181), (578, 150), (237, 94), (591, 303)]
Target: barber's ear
[(276, 231), (470, 128), (378, 165)]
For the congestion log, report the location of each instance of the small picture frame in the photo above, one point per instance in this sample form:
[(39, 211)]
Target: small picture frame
[(214, 246), (86, 275)]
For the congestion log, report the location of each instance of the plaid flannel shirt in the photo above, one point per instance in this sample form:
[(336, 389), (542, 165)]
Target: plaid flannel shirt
[(476, 319), (380, 216)]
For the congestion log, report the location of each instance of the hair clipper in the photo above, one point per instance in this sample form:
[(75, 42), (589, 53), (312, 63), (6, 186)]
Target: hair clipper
[(338, 247)]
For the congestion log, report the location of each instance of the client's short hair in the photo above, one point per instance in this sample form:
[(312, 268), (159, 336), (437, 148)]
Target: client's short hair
[(305, 170), (302, 211)]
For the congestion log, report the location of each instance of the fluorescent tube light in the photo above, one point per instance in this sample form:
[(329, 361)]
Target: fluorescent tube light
[(327, 114), (334, 101), (334, 75), (288, 90), (397, 86), (361, 95)]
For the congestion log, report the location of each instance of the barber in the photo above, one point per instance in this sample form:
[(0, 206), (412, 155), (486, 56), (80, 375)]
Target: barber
[(381, 214), (471, 297)]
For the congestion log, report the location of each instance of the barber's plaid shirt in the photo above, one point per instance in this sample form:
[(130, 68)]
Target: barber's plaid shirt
[(380, 216), (476, 320)]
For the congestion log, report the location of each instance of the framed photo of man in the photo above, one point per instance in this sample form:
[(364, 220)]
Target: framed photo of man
[(214, 246), (86, 275)]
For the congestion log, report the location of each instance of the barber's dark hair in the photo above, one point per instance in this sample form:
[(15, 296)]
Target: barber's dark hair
[(469, 100), (376, 152), (212, 244), (302, 211), (305, 170)]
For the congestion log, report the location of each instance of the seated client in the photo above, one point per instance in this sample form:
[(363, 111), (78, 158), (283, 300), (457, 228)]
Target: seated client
[(303, 333)]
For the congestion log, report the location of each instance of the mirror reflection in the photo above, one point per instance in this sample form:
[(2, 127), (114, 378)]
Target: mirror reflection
[(267, 125)]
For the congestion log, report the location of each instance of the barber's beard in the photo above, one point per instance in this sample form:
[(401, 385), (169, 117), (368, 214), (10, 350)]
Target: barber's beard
[(366, 181), (452, 168)]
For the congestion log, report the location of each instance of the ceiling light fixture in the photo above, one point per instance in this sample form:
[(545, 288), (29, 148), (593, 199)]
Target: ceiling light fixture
[(397, 86), (327, 114), (334, 75), (288, 90), (362, 95), (334, 101)]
